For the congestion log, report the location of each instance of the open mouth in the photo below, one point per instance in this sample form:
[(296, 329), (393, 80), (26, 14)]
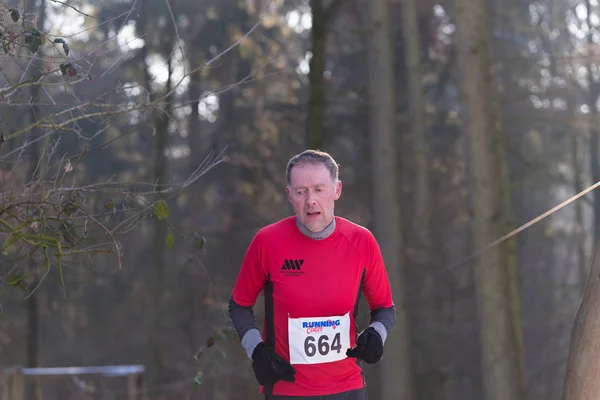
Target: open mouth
[(313, 214)]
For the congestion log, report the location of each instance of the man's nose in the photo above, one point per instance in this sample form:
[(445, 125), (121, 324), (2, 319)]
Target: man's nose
[(310, 198)]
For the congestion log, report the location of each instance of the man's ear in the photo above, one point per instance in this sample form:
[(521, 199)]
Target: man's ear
[(338, 190), (287, 192)]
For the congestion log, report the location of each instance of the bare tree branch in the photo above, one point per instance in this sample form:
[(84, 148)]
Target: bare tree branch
[(78, 10)]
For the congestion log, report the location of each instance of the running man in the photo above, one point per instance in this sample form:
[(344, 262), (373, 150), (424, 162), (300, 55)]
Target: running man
[(312, 269)]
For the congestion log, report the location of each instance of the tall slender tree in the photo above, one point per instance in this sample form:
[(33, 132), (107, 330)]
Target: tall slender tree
[(160, 120), (494, 269), (396, 382), (321, 18), (33, 313)]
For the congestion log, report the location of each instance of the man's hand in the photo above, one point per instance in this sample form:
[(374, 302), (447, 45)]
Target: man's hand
[(368, 347), (269, 367)]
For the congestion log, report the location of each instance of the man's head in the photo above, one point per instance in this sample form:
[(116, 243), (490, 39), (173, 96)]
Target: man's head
[(313, 187)]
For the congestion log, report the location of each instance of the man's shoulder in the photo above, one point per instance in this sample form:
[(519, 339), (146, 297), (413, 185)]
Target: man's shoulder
[(278, 228), (358, 235), (353, 229)]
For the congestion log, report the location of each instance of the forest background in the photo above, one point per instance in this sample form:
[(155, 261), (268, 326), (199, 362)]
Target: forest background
[(143, 143)]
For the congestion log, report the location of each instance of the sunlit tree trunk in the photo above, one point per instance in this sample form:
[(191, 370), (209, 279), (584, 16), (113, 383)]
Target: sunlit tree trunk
[(495, 270), (430, 382), (593, 94), (396, 382), (582, 379)]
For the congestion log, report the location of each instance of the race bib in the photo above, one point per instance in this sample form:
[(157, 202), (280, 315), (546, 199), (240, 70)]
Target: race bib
[(318, 340)]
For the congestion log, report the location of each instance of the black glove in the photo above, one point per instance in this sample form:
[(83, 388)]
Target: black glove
[(368, 347), (269, 367)]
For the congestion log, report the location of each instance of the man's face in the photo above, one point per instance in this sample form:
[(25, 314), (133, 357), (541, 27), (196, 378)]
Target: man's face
[(312, 193)]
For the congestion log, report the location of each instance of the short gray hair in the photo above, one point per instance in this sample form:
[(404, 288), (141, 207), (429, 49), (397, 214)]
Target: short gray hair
[(313, 157)]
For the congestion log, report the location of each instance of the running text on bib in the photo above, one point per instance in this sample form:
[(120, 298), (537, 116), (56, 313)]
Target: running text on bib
[(318, 340)]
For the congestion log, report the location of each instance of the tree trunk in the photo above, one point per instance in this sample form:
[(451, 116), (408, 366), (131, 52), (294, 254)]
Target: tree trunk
[(161, 120), (411, 34), (430, 384), (316, 88), (396, 375), (321, 17), (495, 270), (33, 313), (197, 140), (582, 379), (194, 92), (576, 149), (594, 92)]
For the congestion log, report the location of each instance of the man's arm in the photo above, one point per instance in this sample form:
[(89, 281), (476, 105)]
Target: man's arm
[(249, 283), (383, 320), (378, 292), (245, 326)]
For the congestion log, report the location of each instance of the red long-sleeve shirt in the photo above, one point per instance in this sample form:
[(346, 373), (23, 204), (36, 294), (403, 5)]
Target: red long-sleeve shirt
[(316, 287)]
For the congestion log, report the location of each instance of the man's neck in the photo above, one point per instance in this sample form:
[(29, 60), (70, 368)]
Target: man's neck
[(326, 232)]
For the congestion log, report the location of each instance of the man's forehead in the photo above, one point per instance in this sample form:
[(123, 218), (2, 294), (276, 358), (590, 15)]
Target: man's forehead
[(311, 184), (310, 174)]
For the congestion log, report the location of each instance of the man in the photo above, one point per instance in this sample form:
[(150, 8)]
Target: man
[(312, 268)]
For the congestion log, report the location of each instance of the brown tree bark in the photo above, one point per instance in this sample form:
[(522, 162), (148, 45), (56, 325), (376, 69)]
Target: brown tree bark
[(321, 17), (396, 373), (160, 123), (495, 270), (593, 94), (33, 312), (429, 380), (582, 379)]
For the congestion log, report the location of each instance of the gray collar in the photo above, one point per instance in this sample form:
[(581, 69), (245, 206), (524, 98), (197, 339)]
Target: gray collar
[(326, 232)]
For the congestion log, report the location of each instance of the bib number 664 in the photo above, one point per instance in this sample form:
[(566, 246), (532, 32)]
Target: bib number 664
[(321, 344)]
